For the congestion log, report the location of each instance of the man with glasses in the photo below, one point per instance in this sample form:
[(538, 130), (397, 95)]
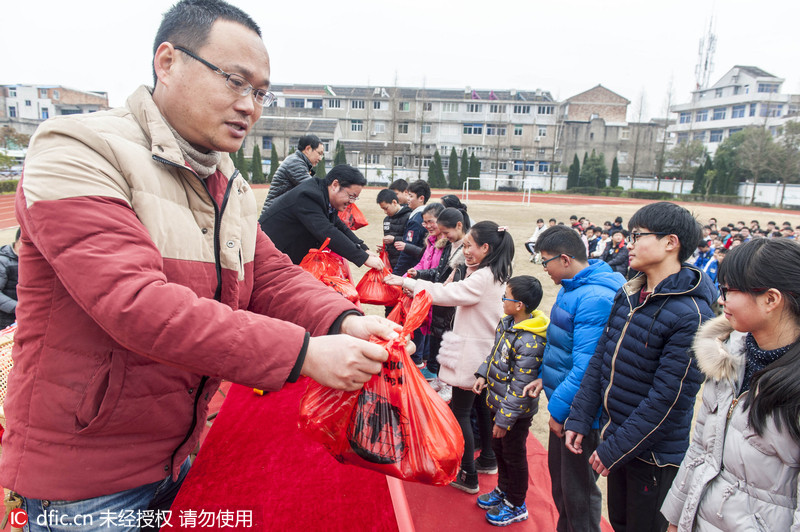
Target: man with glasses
[(295, 169), (145, 281), (577, 320), (305, 216)]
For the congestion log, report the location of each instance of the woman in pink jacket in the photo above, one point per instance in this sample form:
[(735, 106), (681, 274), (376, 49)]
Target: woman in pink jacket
[(488, 251)]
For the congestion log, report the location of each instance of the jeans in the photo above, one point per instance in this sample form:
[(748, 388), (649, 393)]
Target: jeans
[(461, 404), (636, 491), (433, 351), (574, 485), (512, 461), (142, 508)]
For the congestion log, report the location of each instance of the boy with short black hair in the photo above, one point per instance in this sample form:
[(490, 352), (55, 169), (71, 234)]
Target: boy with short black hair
[(413, 243), (513, 363), (400, 187), (394, 224), (642, 374)]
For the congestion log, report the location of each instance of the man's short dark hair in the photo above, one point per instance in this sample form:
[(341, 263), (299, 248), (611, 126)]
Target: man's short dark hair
[(562, 240), (346, 175), (308, 140), (421, 188), (387, 196), (400, 185), (527, 289), (188, 23), (672, 219), (573, 217), (19, 232)]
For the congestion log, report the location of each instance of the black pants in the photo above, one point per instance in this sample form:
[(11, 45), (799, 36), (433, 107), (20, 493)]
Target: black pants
[(574, 485), (512, 461), (434, 342), (461, 404), (636, 491)]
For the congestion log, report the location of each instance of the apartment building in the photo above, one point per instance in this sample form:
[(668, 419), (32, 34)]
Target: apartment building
[(24, 107), (744, 96)]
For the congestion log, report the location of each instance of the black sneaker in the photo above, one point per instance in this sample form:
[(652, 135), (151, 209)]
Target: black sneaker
[(486, 467), (466, 482)]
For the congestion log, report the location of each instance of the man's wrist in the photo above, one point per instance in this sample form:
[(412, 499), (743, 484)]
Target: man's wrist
[(336, 326)]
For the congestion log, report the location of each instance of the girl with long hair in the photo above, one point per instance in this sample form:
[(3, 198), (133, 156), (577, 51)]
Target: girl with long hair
[(741, 470)]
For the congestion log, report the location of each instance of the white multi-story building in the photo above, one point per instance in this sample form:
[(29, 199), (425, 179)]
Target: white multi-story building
[(744, 96)]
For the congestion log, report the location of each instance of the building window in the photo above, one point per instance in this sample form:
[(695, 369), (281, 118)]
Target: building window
[(530, 166), (683, 138), (426, 162), (295, 103), (496, 166), (357, 104), (716, 135), (373, 158), (517, 166), (426, 129), (398, 160), (544, 167), (42, 93), (427, 106), (380, 127), (719, 113), (522, 109), (734, 130), (474, 107), (496, 129), (334, 104), (546, 109), (768, 87), (772, 110), (315, 104), (56, 94), (45, 113), (12, 111), (474, 149), (404, 106), (12, 92), (497, 108), (516, 152), (449, 107), (266, 143), (518, 130), (738, 111), (377, 105), (542, 131), (686, 118), (700, 135), (718, 93), (27, 103), (625, 134), (753, 109), (402, 128), (622, 157), (541, 152), (356, 125), (701, 115), (473, 129)]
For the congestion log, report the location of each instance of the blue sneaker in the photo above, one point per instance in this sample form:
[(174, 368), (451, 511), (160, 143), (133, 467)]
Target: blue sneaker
[(428, 374), (489, 500), (505, 514)]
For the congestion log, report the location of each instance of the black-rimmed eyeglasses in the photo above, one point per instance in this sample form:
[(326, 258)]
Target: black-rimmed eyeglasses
[(551, 259), (636, 235), (235, 82)]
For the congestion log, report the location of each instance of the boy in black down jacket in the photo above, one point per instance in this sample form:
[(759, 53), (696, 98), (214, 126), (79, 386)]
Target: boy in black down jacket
[(513, 363), (642, 376)]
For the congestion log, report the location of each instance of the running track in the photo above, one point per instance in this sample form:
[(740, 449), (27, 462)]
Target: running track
[(8, 220)]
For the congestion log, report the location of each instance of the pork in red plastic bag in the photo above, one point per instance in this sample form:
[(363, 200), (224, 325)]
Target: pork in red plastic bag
[(372, 290), (343, 286), (322, 261), (400, 311), (352, 217), (396, 424)]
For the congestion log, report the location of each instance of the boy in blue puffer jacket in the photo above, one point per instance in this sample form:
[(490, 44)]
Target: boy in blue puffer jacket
[(513, 363), (577, 320), (643, 375)]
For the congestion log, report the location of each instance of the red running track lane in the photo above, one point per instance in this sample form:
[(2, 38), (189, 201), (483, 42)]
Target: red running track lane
[(7, 218)]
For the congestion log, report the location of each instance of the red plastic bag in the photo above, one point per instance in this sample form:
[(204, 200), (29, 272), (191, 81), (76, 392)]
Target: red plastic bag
[(343, 286), (319, 262), (372, 290), (396, 424), (400, 311), (353, 217)]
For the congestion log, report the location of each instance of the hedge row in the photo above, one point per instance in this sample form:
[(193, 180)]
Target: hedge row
[(8, 186)]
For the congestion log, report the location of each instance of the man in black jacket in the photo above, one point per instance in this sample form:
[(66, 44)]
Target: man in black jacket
[(295, 169), (8, 282), (305, 216)]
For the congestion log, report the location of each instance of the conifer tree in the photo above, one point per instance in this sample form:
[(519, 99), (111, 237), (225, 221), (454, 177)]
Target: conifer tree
[(273, 163), (241, 165), (462, 176), (257, 176), (436, 172), (474, 171), (453, 180), (319, 170), (614, 174), (574, 172), (340, 157)]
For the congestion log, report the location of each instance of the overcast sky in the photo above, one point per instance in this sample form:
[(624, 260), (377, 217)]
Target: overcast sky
[(632, 47)]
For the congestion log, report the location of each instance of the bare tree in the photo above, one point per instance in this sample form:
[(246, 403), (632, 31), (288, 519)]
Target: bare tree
[(661, 158), (421, 108), (755, 153), (639, 114), (393, 102), (785, 159)]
